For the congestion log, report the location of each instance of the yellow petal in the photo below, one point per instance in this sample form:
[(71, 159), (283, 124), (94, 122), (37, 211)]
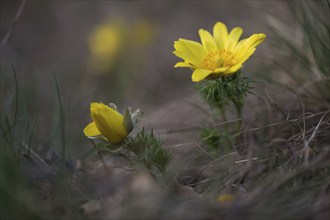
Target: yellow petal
[(233, 69), (183, 64), (200, 74), (221, 70), (233, 38), (258, 39), (241, 61), (196, 48), (190, 51), (249, 43), (240, 43), (247, 55), (109, 122), (220, 34), (91, 130), (183, 52), (207, 41)]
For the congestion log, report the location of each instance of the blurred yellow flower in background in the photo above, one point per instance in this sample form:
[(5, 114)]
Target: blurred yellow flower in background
[(225, 198), (107, 122), (117, 42), (144, 32), (105, 41), (219, 55), (105, 45)]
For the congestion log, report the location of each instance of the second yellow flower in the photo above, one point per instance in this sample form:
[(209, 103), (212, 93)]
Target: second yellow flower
[(219, 55)]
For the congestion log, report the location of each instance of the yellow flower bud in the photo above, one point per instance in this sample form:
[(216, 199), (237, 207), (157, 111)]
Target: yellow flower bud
[(106, 122)]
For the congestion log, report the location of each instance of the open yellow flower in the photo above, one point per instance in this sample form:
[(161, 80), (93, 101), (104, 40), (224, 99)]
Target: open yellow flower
[(219, 55), (107, 122)]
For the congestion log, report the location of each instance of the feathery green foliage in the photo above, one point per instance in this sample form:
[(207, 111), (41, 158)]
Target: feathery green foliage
[(149, 151)]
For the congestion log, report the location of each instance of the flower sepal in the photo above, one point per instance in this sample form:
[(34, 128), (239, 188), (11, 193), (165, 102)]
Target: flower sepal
[(103, 144), (132, 119), (225, 90)]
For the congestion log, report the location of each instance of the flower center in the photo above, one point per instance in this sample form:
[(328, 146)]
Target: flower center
[(218, 59)]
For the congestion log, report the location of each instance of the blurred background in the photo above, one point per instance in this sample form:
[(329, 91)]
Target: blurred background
[(113, 51)]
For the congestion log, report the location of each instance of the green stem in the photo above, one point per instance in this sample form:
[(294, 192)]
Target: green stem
[(224, 118), (238, 108)]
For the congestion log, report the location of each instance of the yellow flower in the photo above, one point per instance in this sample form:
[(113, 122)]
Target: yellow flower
[(219, 55), (107, 122)]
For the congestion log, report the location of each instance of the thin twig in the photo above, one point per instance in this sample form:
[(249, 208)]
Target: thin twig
[(16, 95), (181, 145), (306, 149), (281, 122), (306, 143), (61, 118), (226, 122), (204, 151), (214, 161), (10, 30), (38, 157)]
